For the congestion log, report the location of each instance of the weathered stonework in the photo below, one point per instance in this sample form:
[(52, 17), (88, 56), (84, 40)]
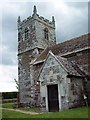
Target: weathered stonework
[(44, 65), (34, 36), (31, 42), (75, 91), (69, 89)]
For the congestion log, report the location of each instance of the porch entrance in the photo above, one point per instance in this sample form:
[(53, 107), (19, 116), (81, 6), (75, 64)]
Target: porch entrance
[(53, 102)]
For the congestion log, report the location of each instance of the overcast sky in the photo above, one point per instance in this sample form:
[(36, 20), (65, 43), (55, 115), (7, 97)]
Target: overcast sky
[(71, 21)]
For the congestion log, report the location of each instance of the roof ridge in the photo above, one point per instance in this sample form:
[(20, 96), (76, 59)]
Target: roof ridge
[(74, 38)]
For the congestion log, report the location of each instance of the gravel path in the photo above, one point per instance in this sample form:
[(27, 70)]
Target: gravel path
[(22, 111)]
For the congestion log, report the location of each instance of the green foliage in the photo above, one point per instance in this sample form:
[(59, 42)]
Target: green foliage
[(9, 95), (74, 113), (17, 84)]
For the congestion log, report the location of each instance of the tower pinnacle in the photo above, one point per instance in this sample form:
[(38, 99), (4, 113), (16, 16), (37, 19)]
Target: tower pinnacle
[(19, 19), (35, 10), (53, 20)]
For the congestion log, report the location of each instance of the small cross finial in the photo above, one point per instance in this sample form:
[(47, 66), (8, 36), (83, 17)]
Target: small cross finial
[(35, 10)]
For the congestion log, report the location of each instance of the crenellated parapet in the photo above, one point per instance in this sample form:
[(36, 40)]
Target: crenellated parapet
[(35, 16), (39, 18)]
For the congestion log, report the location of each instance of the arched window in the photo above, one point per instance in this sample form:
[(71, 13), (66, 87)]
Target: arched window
[(26, 33), (46, 33)]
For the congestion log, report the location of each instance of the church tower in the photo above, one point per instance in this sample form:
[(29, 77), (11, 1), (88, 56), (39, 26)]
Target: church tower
[(34, 34)]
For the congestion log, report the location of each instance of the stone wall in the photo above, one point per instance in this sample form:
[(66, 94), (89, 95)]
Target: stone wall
[(75, 92), (26, 73), (40, 26), (23, 76), (69, 89), (53, 73)]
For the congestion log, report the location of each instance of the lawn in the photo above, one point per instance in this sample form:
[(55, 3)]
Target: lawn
[(10, 105), (73, 113), (7, 105)]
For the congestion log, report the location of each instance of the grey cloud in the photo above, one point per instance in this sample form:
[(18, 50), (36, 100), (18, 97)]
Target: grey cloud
[(71, 31), (9, 58), (78, 5), (43, 8), (65, 29), (72, 26), (9, 31), (9, 39), (9, 23)]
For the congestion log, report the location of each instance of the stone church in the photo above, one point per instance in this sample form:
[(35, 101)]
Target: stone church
[(51, 76)]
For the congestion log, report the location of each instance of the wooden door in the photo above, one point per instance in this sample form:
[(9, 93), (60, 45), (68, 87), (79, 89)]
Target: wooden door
[(53, 102)]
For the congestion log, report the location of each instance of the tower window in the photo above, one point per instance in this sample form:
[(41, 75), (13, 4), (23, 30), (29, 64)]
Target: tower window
[(46, 33), (19, 36), (26, 33)]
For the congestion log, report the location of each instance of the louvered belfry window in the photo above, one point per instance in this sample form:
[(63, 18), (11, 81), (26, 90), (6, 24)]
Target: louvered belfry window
[(19, 36), (26, 33), (46, 33)]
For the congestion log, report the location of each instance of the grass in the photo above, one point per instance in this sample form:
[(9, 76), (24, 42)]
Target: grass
[(73, 113), (10, 105), (0, 105), (7, 105), (14, 114)]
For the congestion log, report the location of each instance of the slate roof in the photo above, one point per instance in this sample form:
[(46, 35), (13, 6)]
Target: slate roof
[(64, 47), (70, 67)]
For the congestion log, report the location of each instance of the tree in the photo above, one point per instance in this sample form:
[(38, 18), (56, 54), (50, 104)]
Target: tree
[(17, 86)]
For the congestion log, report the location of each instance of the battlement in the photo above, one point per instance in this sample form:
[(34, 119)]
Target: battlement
[(35, 16), (39, 18), (47, 21)]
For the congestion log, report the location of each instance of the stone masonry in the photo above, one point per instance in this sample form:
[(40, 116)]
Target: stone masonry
[(40, 62), (34, 34)]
